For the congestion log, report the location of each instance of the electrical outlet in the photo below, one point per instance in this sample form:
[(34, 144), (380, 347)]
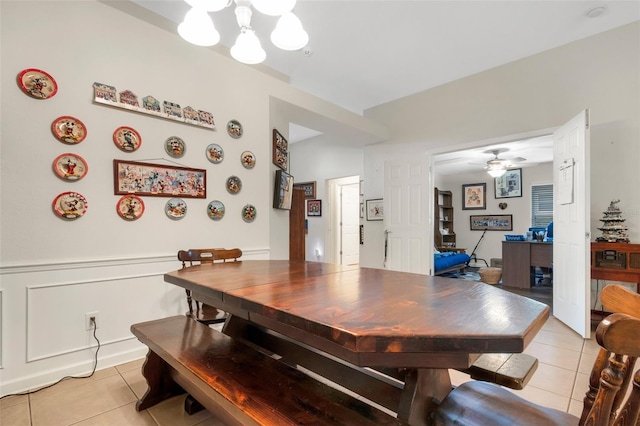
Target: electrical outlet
[(87, 320)]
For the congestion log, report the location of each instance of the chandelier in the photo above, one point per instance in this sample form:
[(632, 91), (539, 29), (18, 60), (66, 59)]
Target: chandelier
[(197, 27)]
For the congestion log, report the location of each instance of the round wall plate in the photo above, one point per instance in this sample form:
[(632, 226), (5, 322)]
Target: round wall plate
[(249, 213), (37, 83), (69, 129), (70, 166), (175, 208), (248, 160), (70, 205), (234, 184), (215, 153), (175, 147), (127, 139), (130, 207), (215, 210), (234, 129)]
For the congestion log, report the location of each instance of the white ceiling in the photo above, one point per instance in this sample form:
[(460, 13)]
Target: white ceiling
[(369, 52)]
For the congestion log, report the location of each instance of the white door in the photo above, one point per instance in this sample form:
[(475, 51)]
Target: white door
[(571, 225), (407, 219), (350, 224)]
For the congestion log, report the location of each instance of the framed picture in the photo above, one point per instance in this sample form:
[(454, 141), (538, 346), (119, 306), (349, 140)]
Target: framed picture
[(309, 189), (361, 210), (474, 196), (509, 184), (375, 209), (496, 222), (283, 190), (158, 180), (280, 151), (314, 207)]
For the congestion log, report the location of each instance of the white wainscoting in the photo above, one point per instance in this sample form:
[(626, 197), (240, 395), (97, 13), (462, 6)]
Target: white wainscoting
[(43, 336)]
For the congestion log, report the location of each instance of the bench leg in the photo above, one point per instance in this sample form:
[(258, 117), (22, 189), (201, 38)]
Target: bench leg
[(191, 406), (161, 386)]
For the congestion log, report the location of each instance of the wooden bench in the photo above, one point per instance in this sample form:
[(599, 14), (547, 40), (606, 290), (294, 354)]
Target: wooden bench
[(237, 383), (509, 370)]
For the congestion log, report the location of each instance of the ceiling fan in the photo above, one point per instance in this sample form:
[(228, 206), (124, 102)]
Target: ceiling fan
[(497, 166)]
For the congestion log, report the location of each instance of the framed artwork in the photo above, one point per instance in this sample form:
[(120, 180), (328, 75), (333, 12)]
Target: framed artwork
[(497, 222), (309, 189), (509, 184), (283, 190), (280, 151), (361, 210), (314, 207), (474, 196), (375, 209), (158, 180)]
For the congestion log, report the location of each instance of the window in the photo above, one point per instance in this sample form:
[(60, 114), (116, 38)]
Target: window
[(541, 205)]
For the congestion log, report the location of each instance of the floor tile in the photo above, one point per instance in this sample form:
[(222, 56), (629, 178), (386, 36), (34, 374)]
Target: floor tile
[(581, 386), (572, 342), (133, 365), (554, 324), (81, 402), (13, 400), (553, 379), (125, 415), (136, 382), (586, 362), (543, 397), (553, 355), (15, 415), (68, 384)]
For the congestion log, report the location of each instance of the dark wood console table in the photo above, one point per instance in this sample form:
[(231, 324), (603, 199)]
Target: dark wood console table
[(518, 257), (616, 262)]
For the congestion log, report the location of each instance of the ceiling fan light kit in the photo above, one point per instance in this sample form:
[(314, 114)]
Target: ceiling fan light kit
[(198, 28), (497, 167)]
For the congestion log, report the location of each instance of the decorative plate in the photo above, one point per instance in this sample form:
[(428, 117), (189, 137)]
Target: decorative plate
[(70, 166), (70, 205), (234, 128), (215, 210), (127, 138), (37, 83), (234, 184), (249, 213), (130, 207), (69, 129), (175, 147), (248, 160), (175, 208), (215, 153)]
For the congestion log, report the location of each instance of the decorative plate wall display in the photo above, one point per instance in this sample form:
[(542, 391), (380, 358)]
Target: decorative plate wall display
[(175, 147), (215, 153), (215, 210), (37, 83), (130, 207), (127, 138), (234, 129), (175, 208), (70, 205), (249, 213), (70, 166), (248, 160), (69, 129), (234, 184)]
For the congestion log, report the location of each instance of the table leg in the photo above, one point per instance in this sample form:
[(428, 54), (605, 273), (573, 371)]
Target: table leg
[(423, 390)]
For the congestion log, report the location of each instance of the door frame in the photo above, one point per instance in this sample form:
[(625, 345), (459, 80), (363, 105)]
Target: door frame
[(333, 228)]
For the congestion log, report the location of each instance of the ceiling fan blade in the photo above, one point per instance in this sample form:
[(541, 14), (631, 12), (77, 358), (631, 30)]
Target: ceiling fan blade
[(517, 160)]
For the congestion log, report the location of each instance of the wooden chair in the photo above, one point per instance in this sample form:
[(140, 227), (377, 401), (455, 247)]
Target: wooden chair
[(204, 313), (480, 403)]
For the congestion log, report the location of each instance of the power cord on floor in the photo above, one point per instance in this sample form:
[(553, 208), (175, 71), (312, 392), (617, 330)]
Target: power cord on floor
[(95, 364)]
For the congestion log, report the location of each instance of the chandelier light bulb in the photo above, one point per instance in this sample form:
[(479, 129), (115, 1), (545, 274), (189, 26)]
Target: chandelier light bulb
[(289, 34), (273, 7), (248, 49), (208, 5), (197, 28)]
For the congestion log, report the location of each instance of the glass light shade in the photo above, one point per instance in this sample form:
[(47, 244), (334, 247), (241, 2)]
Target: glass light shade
[(208, 5), (289, 34), (197, 28), (248, 49), (273, 7), (496, 172)]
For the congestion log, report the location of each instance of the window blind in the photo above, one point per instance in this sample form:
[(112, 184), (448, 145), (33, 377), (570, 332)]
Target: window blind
[(541, 205)]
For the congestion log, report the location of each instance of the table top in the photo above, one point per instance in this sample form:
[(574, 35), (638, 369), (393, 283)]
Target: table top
[(372, 316)]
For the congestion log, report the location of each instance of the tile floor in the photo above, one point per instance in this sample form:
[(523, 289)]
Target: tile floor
[(108, 398)]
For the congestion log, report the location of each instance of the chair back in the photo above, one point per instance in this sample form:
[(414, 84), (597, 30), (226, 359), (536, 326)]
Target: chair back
[(613, 370), (196, 256), (227, 255)]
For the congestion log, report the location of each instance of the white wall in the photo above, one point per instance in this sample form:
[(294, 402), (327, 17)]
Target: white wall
[(543, 91), (54, 271)]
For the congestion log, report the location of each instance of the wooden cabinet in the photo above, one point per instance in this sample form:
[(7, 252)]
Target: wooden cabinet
[(616, 262), (444, 235), (520, 257)]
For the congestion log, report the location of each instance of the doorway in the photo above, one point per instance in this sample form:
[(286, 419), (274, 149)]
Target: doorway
[(344, 220)]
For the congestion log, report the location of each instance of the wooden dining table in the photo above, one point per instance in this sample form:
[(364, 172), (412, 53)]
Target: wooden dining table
[(389, 336)]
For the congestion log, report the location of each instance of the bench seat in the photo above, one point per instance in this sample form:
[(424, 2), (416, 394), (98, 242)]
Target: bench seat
[(237, 383), (509, 370)]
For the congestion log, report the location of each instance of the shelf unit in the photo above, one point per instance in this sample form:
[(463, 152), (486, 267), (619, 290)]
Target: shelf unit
[(444, 236)]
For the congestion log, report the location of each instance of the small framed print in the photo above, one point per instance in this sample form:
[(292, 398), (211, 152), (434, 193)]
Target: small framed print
[(474, 196), (375, 209), (280, 151), (309, 189), (314, 207), (509, 184)]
